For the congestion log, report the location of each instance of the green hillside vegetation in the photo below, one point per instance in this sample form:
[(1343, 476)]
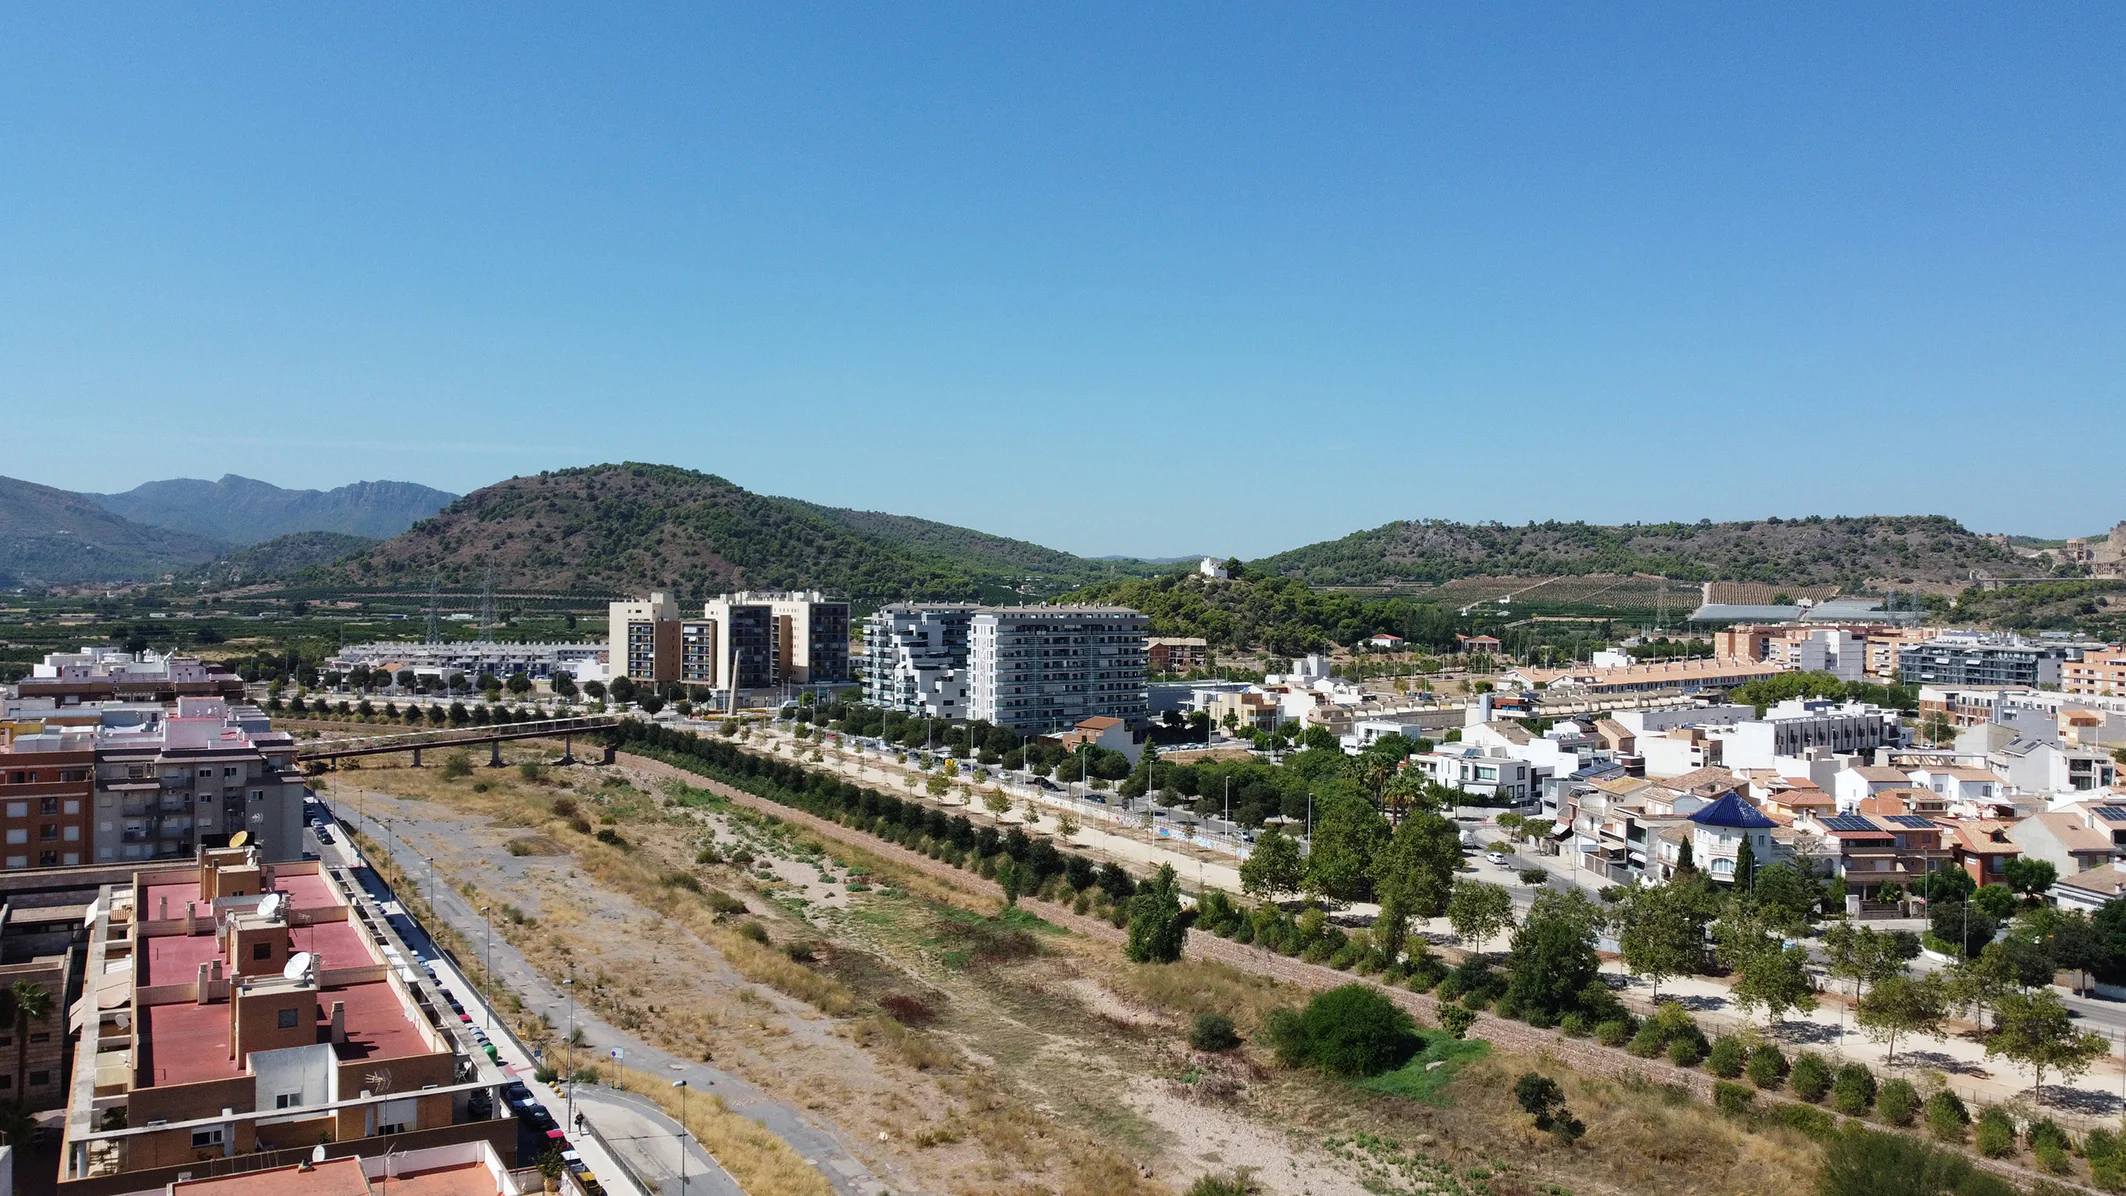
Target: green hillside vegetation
[(1838, 550), (2096, 608), (56, 537), (282, 558), (979, 552), (1280, 615), (619, 529)]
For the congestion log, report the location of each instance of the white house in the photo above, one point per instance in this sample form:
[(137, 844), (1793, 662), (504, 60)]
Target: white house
[(1854, 785), (1385, 642), (1719, 830)]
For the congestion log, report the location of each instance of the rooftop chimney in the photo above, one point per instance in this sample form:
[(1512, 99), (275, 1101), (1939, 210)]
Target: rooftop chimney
[(339, 1021)]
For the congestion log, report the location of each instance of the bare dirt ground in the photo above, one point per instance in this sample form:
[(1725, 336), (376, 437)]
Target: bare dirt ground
[(1023, 1058)]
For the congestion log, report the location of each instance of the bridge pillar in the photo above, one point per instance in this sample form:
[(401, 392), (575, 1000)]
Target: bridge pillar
[(416, 757), (494, 754), (568, 749), (610, 753)]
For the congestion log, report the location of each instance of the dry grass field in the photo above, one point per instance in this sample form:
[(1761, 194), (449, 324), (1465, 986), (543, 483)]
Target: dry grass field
[(965, 1049)]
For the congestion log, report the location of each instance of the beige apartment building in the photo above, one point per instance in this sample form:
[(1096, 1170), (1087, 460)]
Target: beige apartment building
[(2100, 673), (750, 640)]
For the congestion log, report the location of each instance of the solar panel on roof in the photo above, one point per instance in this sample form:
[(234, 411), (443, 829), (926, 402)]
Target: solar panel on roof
[(2111, 813), (1849, 822), (1912, 820)]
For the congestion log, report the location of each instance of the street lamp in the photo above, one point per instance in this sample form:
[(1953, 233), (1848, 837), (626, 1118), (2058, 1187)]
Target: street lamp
[(488, 966), (569, 1040), (682, 1086)]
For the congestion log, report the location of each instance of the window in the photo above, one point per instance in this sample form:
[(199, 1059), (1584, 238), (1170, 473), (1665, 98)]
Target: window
[(262, 950), (287, 1100), (48, 832), (206, 772), (18, 809), (288, 1018), (72, 807), (228, 772), (39, 1079), (17, 835), (40, 1036), (49, 805), (71, 834), (47, 859), (204, 1138)]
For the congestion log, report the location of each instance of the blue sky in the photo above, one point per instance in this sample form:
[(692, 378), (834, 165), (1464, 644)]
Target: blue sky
[(1128, 278)]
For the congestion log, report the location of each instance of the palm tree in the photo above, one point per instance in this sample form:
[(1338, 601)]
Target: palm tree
[(22, 1003)]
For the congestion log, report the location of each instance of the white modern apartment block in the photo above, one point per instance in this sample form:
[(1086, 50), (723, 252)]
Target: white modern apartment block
[(915, 658), (1790, 729), (1478, 772), (1036, 669)]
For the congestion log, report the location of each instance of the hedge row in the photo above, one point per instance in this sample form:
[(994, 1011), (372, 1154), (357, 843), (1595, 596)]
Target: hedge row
[(952, 838)]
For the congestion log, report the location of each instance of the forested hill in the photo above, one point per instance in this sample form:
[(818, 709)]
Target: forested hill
[(628, 528), (1280, 615), (1849, 552), (978, 551)]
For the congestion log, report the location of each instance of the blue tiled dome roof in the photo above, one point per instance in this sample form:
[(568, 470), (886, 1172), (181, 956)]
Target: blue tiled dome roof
[(1732, 811)]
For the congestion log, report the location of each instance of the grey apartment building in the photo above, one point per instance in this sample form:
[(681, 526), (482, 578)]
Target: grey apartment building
[(1979, 662), (1037, 669)]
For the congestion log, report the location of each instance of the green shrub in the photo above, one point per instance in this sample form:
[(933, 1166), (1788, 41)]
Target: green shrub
[(1947, 1117), (1354, 1030), (1810, 1077), (2054, 1158), (1213, 1032), (1767, 1066), (1286, 1032), (1647, 1042), (1807, 1119), (1726, 1058), (2107, 1160), (1854, 1090), (1213, 1184), (1996, 1133), (1862, 1162), (2046, 1131), (1575, 1024), (1507, 1006), (754, 931), (1456, 1020), (1426, 974), (1685, 1051), (1476, 1001), (1897, 1101), (1733, 1098), (1614, 1033)]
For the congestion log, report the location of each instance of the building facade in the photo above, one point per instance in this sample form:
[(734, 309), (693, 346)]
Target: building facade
[(1040, 668), (253, 1011), (1966, 662), (747, 640), (644, 638), (915, 658)]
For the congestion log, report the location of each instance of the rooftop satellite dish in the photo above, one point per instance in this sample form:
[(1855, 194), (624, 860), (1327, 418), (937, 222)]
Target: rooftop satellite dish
[(239, 838), (298, 966), (270, 908)]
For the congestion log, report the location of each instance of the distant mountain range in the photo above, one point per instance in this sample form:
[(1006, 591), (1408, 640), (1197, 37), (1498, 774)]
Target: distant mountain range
[(241, 510), (57, 537), (234, 528), (628, 528)]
